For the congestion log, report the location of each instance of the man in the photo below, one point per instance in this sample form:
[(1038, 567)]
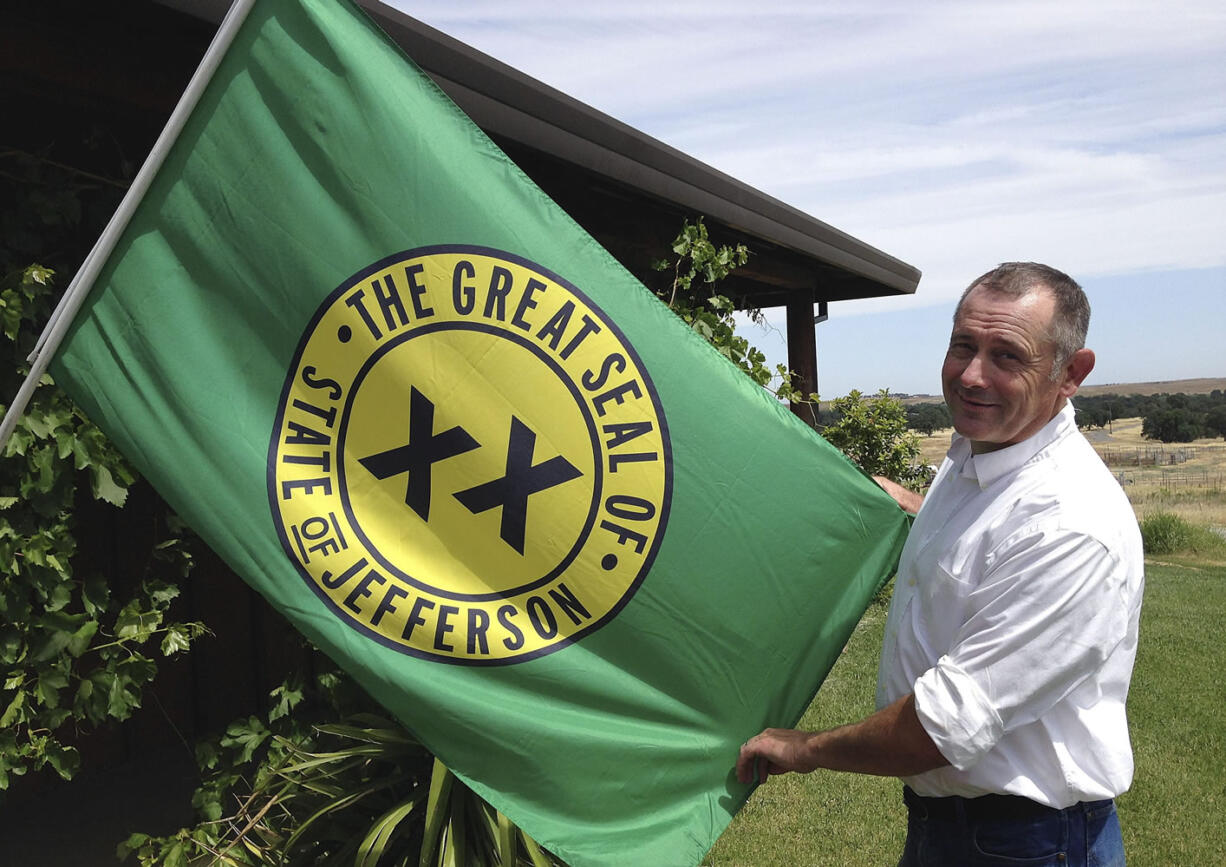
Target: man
[(1013, 628)]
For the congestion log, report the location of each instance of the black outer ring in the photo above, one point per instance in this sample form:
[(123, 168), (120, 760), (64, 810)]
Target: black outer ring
[(666, 498)]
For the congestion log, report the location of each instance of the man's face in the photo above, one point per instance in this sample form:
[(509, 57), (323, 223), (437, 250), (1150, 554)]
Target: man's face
[(996, 375)]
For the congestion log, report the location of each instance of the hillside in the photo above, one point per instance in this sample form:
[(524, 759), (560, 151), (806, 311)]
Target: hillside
[(1170, 386), (1174, 386)]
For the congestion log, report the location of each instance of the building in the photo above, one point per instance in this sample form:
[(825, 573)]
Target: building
[(85, 88)]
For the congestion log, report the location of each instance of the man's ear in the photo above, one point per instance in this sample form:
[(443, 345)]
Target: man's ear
[(1076, 369)]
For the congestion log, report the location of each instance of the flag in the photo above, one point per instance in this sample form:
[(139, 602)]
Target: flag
[(404, 396)]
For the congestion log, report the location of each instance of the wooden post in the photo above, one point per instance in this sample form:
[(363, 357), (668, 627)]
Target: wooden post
[(802, 351)]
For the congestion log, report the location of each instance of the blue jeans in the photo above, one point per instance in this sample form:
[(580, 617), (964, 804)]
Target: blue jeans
[(997, 830)]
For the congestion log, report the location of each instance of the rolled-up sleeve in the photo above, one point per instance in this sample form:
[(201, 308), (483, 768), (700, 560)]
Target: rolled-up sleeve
[(956, 714), (1047, 613)]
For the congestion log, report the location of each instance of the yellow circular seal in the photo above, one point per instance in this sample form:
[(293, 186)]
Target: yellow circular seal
[(469, 463)]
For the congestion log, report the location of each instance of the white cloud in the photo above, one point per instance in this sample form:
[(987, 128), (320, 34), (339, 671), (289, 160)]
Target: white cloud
[(954, 135)]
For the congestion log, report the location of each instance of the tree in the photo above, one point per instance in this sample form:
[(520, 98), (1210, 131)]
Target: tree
[(1215, 420), (1171, 426), (1093, 417), (928, 418), (873, 433)]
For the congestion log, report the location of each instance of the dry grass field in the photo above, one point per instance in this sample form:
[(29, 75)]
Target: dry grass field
[(1188, 479), (1169, 386)]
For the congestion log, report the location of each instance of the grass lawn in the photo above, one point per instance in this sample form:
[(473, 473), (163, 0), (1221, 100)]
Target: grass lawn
[(1174, 814)]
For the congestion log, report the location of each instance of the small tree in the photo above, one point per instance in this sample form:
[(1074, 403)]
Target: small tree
[(873, 433), (928, 418)]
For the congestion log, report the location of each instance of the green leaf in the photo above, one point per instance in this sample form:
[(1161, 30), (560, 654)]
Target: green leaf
[(53, 719), (50, 682), (130, 845), (207, 801), (177, 638), (245, 736), (105, 487), (160, 593), (286, 697), (58, 630), (176, 857), (207, 755), (15, 712), (507, 837), (65, 760), (19, 442), (39, 425), (441, 782), (123, 697), (383, 831), (136, 624), (12, 645), (43, 460), (61, 594), (86, 702), (95, 594), (37, 274), (457, 851), (535, 854)]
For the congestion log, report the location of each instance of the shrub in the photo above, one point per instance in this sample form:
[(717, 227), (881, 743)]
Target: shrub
[(873, 433), (1167, 533)]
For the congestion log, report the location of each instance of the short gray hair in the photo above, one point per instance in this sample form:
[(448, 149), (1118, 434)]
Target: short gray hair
[(1069, 322)]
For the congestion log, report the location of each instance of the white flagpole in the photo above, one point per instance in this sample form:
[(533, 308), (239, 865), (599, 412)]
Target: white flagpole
[(68, 306)]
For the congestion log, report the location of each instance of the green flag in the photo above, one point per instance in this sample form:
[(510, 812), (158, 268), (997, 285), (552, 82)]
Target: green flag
[(449, 437)]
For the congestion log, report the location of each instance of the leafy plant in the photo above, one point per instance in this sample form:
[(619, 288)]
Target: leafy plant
[(1166, 533), (699, 264), (75, 651), (873, 433), (1173, 425), (357, 791)]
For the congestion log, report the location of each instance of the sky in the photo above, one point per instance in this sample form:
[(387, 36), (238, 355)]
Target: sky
[(952, 135)]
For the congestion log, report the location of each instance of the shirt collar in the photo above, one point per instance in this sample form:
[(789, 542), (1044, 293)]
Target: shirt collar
[(990, 466)]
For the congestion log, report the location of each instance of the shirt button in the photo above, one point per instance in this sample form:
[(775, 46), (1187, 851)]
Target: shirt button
[(910, 582)]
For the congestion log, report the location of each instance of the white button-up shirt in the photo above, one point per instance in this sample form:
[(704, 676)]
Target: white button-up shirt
[(1014, 621)]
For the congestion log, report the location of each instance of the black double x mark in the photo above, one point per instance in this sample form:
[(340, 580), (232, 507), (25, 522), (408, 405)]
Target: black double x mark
[(424, 449), (510, 492)]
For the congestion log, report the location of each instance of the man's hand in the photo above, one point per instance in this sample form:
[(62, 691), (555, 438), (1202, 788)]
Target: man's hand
[(774, 751), (909, 500), (890, 743)]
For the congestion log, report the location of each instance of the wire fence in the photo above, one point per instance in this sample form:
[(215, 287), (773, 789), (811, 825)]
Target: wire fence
[(1168, 467), (1209, 480), (1143, 456)]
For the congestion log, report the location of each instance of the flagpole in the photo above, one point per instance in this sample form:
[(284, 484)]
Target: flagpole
[(74, 296)]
